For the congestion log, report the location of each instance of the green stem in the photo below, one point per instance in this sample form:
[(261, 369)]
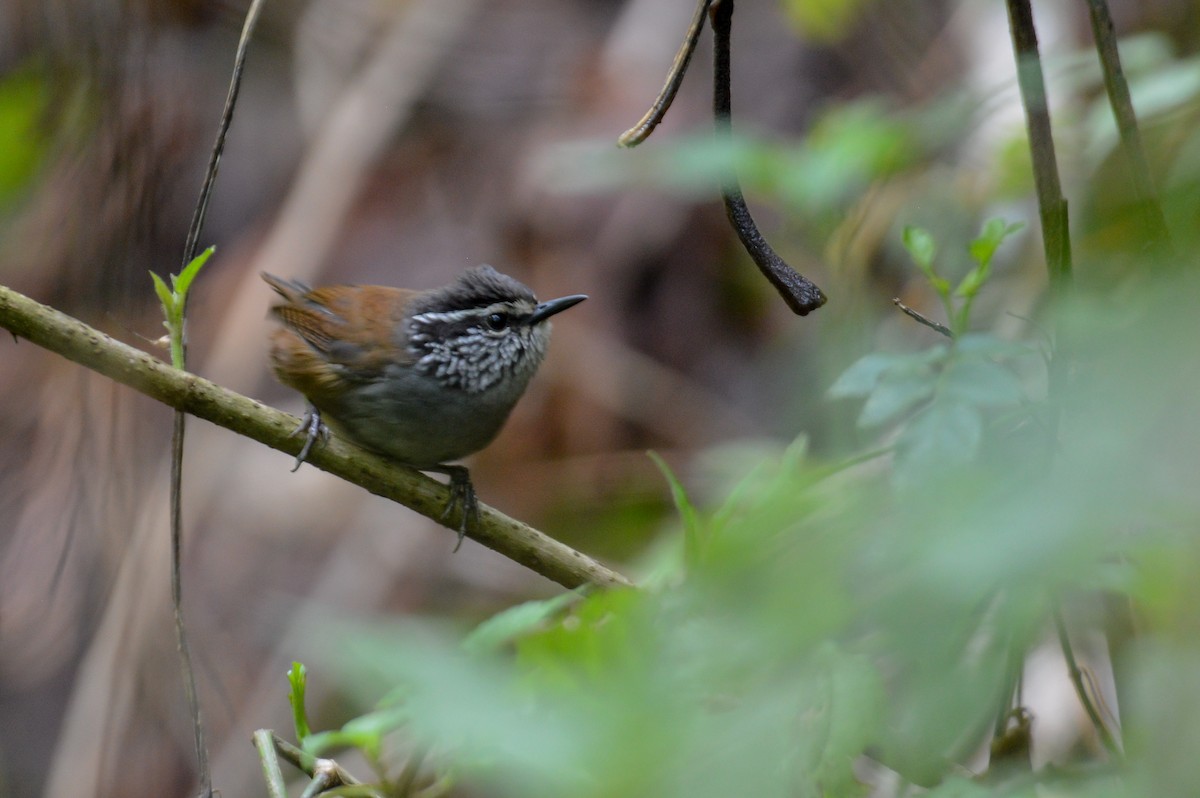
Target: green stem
[(1052, 207), (1076, 676), (1119, 98)]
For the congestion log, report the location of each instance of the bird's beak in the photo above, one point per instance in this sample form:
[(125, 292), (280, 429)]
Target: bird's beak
[(548, 309)]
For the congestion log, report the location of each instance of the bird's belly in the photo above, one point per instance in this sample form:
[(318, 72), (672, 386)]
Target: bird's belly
[(414, 419)]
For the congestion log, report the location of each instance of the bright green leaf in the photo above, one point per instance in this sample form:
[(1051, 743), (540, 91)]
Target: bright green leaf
[(692, 525), (973, 280), (164, 295), (184, 281), (824, 20), (994, 232), (514, 622), (297, 681), (922, 248)]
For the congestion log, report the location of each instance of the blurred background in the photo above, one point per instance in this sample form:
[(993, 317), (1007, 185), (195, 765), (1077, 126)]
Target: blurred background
[(398, 143)]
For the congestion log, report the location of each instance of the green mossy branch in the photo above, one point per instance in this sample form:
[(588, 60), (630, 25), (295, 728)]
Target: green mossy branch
[(76, 341)]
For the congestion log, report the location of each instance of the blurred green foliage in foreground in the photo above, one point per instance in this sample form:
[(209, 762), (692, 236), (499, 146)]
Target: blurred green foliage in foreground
[(849, 627), (819, 614)]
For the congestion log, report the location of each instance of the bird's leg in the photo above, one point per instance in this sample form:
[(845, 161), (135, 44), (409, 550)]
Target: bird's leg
[(313, 428), (462, 496)]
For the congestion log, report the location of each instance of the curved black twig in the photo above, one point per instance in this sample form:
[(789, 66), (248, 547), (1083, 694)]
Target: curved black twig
[(645, 126), (800, 293)]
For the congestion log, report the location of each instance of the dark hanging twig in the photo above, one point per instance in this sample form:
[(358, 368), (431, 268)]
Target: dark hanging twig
[(1131, 141), (645, 126), (189, 252), (800, 293)]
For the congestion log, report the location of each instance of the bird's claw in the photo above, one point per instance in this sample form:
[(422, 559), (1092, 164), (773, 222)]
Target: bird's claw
[(462, 496), (314, 430)]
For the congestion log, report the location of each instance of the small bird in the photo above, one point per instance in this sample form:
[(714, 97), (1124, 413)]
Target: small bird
[(423, 377)]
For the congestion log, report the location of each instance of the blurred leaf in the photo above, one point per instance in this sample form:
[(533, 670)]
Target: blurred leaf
[(922, 248), (506, 627), (693, 531), (944, 435), (994, 232), (591, 643), (988, 345), (365, 732), (863, 375), (824, 20), (981, 383), (22, 146), (897, 393)]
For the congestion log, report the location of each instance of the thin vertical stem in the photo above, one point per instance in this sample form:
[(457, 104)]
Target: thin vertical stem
[(203, 773), (1052, 207), (1122, 107), (1076, 676)]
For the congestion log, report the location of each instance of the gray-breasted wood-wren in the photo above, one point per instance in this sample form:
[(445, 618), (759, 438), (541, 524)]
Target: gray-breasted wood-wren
[(424, 377)]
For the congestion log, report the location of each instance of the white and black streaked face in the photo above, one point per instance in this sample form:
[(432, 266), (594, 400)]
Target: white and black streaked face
[(475, 349), (480, 331)]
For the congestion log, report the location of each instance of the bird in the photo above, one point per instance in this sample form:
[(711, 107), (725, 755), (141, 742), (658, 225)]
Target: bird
[(424, 377)]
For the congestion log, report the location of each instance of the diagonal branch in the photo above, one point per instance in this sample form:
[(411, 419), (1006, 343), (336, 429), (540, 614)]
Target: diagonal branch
[(93, 349)]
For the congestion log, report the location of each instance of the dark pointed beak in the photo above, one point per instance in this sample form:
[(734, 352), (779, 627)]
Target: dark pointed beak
[(548, 309)]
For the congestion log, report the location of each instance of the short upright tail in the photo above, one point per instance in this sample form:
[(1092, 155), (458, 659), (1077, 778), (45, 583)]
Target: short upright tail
[(291, 290)]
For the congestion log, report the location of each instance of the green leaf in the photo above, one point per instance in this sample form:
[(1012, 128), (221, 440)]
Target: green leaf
[(164, 296), (922, 248), (945, 435), (863, 375), (297, 681), (896, 394), (988, 345), (692, 525), (981, 383), (994, 232), (824, 20), (973, 280), (515, 622), (184, 281), (24, 97)]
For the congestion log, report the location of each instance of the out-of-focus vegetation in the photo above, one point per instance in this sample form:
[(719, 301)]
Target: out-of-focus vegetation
[(860, 539), (858, 622)]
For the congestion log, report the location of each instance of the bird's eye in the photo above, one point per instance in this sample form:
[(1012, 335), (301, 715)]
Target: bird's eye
[(497, 322)]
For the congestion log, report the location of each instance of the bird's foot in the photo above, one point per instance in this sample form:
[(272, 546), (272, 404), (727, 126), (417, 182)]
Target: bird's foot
[(462, 497), (314, 430)]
